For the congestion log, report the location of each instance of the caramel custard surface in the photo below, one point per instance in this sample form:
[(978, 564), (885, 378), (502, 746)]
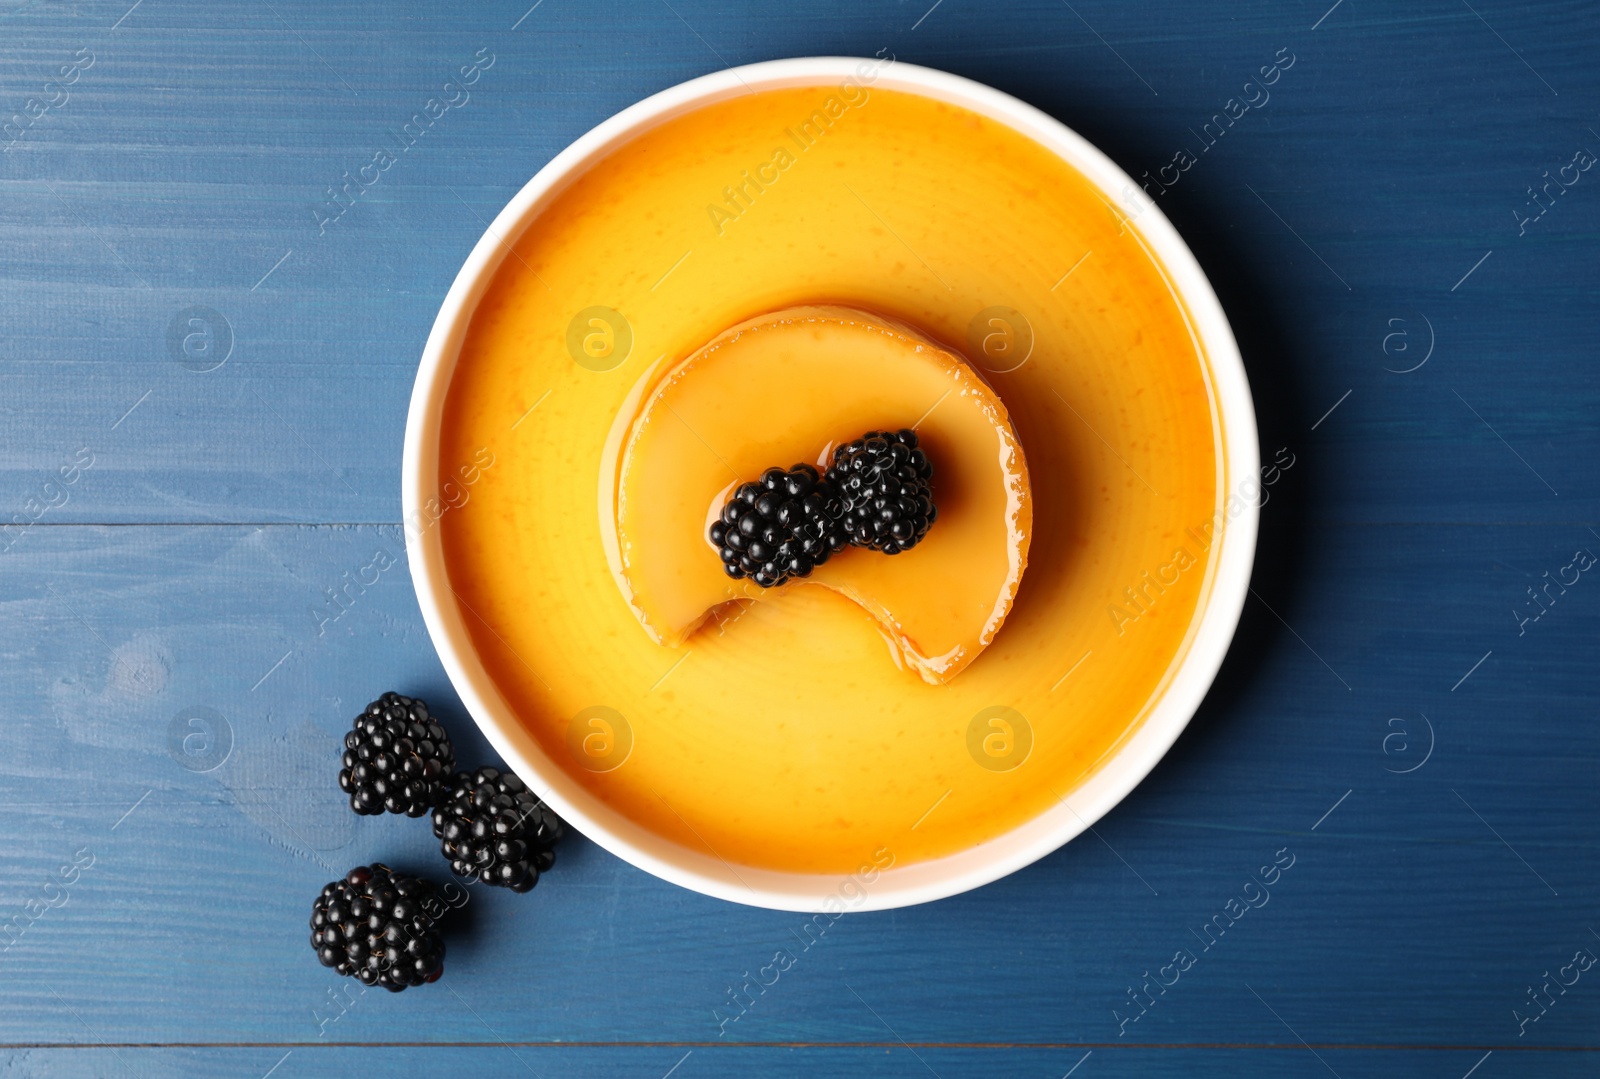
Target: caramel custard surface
[(787, 737), (937, 605)]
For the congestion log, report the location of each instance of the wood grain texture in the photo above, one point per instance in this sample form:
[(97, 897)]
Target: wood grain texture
[(180, 575), (810, 1062)]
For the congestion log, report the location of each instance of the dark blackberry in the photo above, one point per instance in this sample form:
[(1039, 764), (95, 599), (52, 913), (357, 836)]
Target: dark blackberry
[(783, 525), (885, 481), (396, 758), (492, 827), (381, 927)]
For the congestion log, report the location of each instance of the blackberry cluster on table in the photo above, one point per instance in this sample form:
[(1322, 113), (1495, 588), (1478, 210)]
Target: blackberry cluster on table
[(379, 926), (396, 758), (492, 827), (382, 927)]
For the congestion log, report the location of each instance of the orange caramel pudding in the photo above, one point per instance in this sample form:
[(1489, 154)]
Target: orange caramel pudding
[(778, 731), (839, 372)]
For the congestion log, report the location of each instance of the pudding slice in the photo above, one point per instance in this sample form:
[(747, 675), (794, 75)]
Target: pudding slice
[(785, 388)]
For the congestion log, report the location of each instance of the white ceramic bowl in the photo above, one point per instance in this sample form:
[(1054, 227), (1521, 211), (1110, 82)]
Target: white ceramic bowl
[(1167, 714)]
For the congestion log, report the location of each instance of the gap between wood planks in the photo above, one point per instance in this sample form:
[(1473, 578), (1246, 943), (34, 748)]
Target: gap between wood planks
[(1159, 1046)]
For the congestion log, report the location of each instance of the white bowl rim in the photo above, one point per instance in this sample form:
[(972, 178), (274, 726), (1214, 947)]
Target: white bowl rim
[(1166, 715)]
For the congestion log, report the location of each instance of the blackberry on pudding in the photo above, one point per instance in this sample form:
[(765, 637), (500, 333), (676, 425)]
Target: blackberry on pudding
[(829, 373), (886, 482), (783, 525)]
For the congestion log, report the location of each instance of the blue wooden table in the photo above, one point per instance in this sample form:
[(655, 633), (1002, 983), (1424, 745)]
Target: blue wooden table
[(205, 361)]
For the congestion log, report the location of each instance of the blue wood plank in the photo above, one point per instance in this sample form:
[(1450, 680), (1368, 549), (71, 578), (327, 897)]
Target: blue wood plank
[(194, 155), (810, 1062), (1400, 715), (201, 880)]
